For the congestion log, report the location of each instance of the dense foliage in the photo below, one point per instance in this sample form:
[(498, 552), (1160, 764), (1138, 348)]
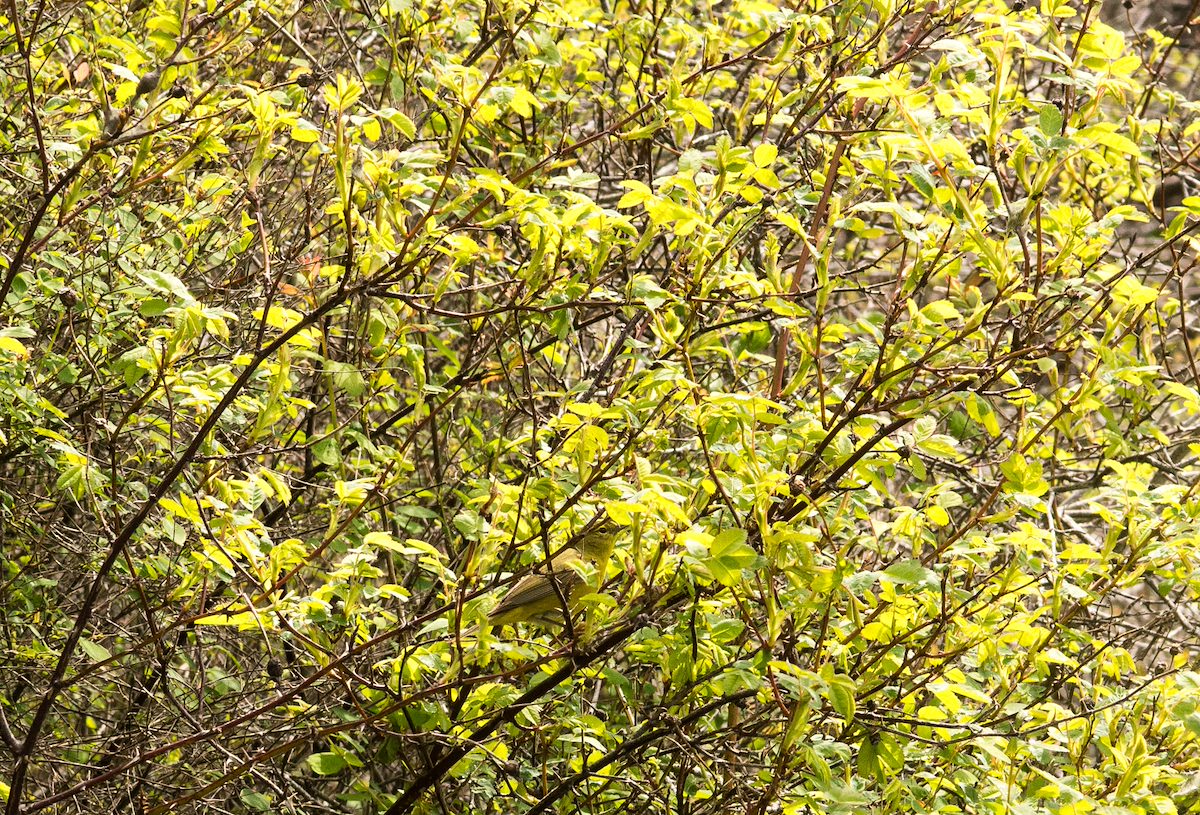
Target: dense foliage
[(871, 323)]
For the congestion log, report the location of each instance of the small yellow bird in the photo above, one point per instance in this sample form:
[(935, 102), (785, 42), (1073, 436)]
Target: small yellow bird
[(538, 597)]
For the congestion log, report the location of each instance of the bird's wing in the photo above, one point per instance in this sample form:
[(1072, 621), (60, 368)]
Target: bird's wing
[(536, 588)]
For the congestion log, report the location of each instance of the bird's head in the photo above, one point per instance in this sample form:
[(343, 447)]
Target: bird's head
[(596, 541)]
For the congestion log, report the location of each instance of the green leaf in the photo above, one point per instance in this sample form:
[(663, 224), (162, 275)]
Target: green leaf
[(911, 571), (840, 692), (940, 446), (729, 555), (765, 154), (326, 763), (922, 180), (1105, 134), (646, 289), (347, 377), (400, 121), (327, 452), (94, 650), (167, 283), (1050, 120), (255, 800), (869, 87), (868, 761), (15, 347)]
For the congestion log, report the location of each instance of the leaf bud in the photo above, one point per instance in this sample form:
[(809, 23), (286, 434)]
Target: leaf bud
[(114, 120), (148, 82)]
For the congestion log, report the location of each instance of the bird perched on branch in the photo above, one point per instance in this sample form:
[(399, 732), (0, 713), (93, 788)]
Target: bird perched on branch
[(540, 597)]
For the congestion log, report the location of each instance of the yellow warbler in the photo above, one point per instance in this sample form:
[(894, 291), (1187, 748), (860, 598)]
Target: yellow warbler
[(538, 597)]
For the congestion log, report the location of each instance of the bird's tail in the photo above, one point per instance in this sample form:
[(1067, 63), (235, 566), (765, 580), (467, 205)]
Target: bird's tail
[(464, 645)]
